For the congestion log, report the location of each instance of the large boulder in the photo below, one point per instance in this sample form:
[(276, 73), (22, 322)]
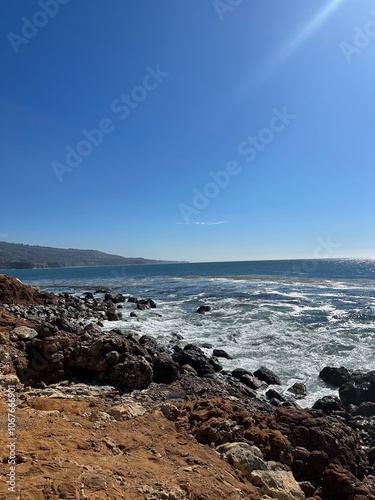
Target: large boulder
[(134, 373), (335, 376), (329, 404), (279, 484), (267, 375), (165, 369), (243, 457), (195, 357)]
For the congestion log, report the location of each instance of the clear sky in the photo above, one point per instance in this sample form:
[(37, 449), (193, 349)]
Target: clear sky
[(199, 130)]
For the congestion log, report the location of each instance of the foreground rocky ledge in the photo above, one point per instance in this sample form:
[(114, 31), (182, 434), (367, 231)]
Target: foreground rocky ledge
[(111, 415)]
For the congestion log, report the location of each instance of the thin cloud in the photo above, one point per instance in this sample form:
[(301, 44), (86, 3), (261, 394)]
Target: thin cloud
[(205, 223)]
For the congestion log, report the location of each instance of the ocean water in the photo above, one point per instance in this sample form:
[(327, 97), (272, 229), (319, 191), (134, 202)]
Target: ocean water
[(295, 317)]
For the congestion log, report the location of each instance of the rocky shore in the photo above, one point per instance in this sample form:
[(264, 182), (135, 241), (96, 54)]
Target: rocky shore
[(115, 415)]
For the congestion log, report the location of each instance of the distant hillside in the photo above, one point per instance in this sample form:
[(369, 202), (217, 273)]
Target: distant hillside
[(19, 256)]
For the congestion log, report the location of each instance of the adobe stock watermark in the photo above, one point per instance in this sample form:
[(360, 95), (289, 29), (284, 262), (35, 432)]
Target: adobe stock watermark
[(12, 438), (222, 7), (122, 108), (249, 148), (324, 249), (30, 27), (362, 38)]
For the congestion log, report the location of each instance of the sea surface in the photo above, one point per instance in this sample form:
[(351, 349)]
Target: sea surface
[(293, 316)]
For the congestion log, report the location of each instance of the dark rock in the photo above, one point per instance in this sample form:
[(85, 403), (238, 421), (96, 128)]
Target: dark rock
[(371, 456), (267, 375), (251, 381), (66, 325), (101, 290), (133, 314), (133, 300), (88, 295), (272, 394), (220, 353), (238, 372), (145, 304), (335, 376), (299, 390), (203, 309), (165, 369), (206, 345), (195, 357), (328, 405), (365, 410), (133, 373), (356, 393), (216, 364), (113, 315)]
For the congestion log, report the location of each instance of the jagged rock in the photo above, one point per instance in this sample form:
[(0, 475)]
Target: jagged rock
[(345, 485), (115, 298), (238, 372), (145, 304), (355, 393), (220, 353), (280, 485), (335, 376), (299, 390), (23, 333), (267, 375), (216, 364), (195, 357), (243, 457), (365, 410), (134, 373), (165, 369), (203, 309), (252, 382), (113, 315), (12, 291), (329, 404), (273, 394)]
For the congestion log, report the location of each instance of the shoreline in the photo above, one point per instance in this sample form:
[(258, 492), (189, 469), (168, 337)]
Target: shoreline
[(63, 357)]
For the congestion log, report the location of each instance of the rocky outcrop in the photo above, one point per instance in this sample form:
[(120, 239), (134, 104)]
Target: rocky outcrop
[(12, 291), (193, 356), (267, 375)]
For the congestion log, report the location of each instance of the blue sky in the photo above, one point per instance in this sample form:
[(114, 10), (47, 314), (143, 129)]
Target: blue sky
[(199, 130)]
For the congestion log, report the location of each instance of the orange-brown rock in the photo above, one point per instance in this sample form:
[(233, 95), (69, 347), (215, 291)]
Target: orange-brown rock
[(12, 291), (74, 449)]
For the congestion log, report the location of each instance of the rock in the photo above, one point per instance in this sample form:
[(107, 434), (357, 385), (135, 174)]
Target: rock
[(371, 456), (23, 333), (133, 373), (133, 300), (165, 369), (88, 295), (267, 375), (126, 411), (365, 410), (343, 484), (220, 353), (205, 345), (203, 309), (195, 357), (92, 329), (243, 457), (9, 379), (113, 315), (145, 304), (251, 381), (335, 376), (280, 485), (115, 298), (238, 372), (133, 314), (189, 369), (272, 394), (299, 390), (328, 404), (12, 291), (216, 364), (356, 393)]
